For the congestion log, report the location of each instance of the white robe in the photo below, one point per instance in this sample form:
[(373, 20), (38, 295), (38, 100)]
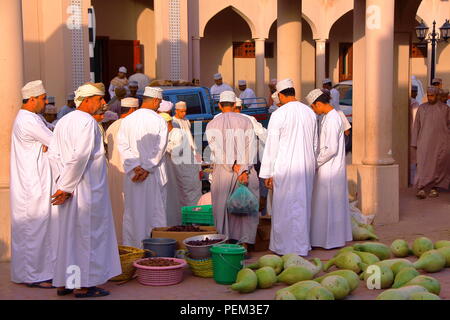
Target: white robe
[(86, 229), (142, 142), (330, 219), (289, 158), (247, 96), (33, 232), (115, 177), (217, 90)]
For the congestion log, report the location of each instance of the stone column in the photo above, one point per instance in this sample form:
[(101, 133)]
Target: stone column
[(320, 62), (11, 64), (289, 41), (379, 175), (196, 57), (260, 66)]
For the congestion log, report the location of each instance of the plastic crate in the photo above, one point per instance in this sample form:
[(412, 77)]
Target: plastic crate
[(201, 215)]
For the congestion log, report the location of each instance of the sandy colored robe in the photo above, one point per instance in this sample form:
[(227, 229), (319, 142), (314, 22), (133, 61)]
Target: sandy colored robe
[(241, 228), (431, 136), (116, 175)]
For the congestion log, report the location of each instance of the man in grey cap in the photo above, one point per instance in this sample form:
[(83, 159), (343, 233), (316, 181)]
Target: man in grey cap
[(69, 107), (231, 139), (141, 78), (133, 86), (219, 87)]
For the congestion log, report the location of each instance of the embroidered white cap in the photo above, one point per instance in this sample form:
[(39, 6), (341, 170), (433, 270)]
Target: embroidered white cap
[(327, 80), (153, 92), (313, 95), (284, 84), (228, 96), (217, 76), (242, 82), (33, 89), (180, 105), (129, 103), (123, 69)]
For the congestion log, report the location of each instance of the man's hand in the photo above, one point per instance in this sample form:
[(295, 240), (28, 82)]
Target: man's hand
[(44, 149), (243, 178), (269, 183), (60, 197), (236, 168), (347, 132), (198, 158), (139, 174)]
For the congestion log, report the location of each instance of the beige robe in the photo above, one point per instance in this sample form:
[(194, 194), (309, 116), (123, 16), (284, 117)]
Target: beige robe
[(241, 228), (115, 177)]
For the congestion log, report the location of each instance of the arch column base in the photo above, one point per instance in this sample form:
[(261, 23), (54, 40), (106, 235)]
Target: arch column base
[(379, 193)]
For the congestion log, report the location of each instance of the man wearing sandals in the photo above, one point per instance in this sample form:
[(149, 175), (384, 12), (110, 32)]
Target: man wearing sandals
[(33, 236), (87, 253)]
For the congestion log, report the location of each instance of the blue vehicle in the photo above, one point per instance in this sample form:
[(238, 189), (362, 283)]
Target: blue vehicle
[(202, 107)]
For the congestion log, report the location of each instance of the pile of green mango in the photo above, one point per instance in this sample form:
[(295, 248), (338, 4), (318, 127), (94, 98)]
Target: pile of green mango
[(400, 276)]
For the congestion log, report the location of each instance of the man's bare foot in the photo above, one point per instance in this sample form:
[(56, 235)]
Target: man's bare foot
[(421, 194), (433, 193)]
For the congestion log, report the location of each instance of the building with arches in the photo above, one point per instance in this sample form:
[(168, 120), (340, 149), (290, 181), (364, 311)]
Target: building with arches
[(371, 42)]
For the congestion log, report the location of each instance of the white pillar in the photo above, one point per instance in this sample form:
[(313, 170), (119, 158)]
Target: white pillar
[(379, 175), (196, 57), (320, 61), (11, 64), (289, 42), (260, 66)]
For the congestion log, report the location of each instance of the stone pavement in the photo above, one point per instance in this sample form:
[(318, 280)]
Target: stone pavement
[(429, 217)]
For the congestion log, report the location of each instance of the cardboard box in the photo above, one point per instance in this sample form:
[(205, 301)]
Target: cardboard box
[(180, 236), (263, 234)]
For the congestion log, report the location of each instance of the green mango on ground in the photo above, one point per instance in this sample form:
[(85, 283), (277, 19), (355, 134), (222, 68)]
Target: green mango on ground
[(424, 296), (315, 266), (268, 260), (246, 281), (422, 245), (400, 248), (431, 261), (400, 265), (445, 251), (367, 257), (295, 274), (299, 289), (404, 276), (266, 277), (404, 293), (349, 275), (346, 260), (285, 295), (319, 293), (337, 285), (382, 251), (387, 277), (429, 283), (441, 244)]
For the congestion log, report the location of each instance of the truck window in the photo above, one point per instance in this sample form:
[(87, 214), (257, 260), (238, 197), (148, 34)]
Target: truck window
[(194, 103)]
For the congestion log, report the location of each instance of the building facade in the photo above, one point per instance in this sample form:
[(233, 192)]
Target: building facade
[(371, 42)]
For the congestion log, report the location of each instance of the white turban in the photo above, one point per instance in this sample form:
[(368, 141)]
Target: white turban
[(165, 106), (313, 95), (129, 103), (325, 81), (238, 102), (33, 89), (85, 91), (275, 98), (123, 69), (217, 76), (228, 96), (242, 82), (284, 84), (180, 105), (153, 92)]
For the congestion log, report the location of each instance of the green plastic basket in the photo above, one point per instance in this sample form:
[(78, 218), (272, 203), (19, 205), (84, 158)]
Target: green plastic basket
[(201, 215)]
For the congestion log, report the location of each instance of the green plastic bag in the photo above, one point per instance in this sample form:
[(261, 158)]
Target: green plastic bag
[(243, 202)]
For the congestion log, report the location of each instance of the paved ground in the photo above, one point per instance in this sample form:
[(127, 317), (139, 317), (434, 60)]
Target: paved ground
[(430, 217)]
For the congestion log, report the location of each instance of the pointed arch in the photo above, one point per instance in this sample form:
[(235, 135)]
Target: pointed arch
[(249, 22)]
